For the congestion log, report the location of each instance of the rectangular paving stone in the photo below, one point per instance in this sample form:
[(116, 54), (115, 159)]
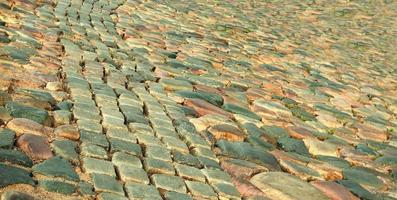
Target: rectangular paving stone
[(146, 140), (186, 158), (189, 173), (201, 190), (94, 138), (217, 176), (132, 174), (110, 196), (121, 158), (174, 143), (171, 195), (125, 146), (105, 183), (92, 150), (169, 183), (93, 165), (140, 191), (89, 125), (158, 152), (155, 166), (226, 191), (121, 135)]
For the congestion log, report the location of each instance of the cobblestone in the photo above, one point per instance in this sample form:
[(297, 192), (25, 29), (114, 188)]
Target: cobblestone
[(228, 99)]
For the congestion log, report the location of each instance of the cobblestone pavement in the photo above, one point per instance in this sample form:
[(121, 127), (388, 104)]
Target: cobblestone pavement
[(179, 100)]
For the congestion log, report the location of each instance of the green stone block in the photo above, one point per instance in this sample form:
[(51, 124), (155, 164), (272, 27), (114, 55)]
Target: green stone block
[(293, 145), (21, 111), (140, 191), (134, 174), (110, 196), (66, 149), (105, 183), (125, 146), (121, 158), (15, 157), (94, 138), (56, 167), (7, 138), (169, 183), (171, 195), (240, 110), (92, 165), (95, 151), (11, 175), (201, 190), (154, 166), (86, 189), (57, 186)]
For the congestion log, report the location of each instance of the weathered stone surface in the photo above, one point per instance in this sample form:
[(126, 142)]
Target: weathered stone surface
[(169, 183), (105, 183), (333, 190), (56, 167), (7, 138), (280, 185), (21, 111), (67, 131), (200, 190), (226, 132), (140, 191), (57, 186), (11, 175), (15, 157), (21, 126), (15, 195), (92, 165), (36, 147)]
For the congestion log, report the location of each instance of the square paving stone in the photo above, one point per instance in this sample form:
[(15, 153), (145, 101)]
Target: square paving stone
[(92, 150), (169, 183), (94, 138), (171, 195), (105, 183), (189, 173), (110, 196), (140, 191), (121, 158), (92, 165), (158, 152), (155, 166), (134, 174), (66, 149), (201, 190), (124, 146)]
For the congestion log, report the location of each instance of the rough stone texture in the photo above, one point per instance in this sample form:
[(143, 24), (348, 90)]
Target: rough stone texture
[(280, 185), (36, 147), (211, 93)]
